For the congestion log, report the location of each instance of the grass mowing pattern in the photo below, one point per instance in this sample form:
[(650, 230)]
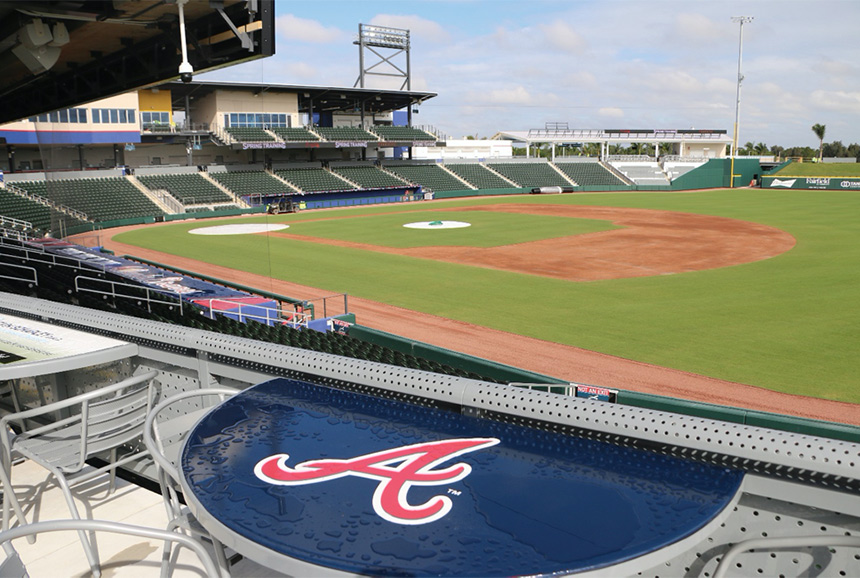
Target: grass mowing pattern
[(789, 323)]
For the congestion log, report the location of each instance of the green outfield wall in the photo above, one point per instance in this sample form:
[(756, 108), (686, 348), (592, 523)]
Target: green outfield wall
[(786, 181)]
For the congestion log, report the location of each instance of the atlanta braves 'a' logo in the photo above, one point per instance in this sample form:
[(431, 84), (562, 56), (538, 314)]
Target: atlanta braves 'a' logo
[(397, 470)]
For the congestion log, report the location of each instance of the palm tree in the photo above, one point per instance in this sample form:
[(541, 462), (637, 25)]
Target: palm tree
[(819, 130)]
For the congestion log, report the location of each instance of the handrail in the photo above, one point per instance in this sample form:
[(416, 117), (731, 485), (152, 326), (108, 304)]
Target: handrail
[(292, 317), (114, 284), (34, 281), (306, 305), (781, 542), (21, 192)]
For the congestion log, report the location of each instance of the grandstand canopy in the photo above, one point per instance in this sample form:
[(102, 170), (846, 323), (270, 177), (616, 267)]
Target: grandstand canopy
[(56, 54), (310, 98), (572, 136)]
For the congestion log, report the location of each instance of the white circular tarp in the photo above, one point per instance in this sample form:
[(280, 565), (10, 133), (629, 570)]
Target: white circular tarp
[(438, 225), (244, 229)]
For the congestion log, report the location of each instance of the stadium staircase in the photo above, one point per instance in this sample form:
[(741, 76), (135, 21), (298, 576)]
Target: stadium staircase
[(164, 201), (530, 174), (621, 176), (563, 175), (59, 207), (480, 176), (275, 175), (237, 200)]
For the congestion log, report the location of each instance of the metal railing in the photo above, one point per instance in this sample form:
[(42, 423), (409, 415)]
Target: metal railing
[(15, 223), (332, 302), (148, 294), (168, 200), (47, 202), (34, 280), (781, 542), (631, 159), (16, 234), (272, 315)]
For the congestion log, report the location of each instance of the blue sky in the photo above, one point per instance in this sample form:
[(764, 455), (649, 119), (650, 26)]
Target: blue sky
[(518, 64)]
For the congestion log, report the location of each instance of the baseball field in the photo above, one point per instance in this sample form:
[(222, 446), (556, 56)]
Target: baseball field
[(752, 286)]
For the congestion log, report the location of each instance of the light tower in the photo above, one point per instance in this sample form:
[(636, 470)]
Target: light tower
[(740, 20), (385, 43)]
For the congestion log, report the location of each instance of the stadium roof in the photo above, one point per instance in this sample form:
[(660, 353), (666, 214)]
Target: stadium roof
[(318, 98), (57, 54), (570, 136)]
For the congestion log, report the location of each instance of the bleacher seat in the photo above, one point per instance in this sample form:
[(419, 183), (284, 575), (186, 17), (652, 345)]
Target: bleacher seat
[(646, 173), (478, 175), (249, 134), (430, 177), (589, 173), (189, 189), (345, 134), (252, 183), (295, 134), (402, 134), (536, 174), (369, 177), (314, 179), (101, 199)]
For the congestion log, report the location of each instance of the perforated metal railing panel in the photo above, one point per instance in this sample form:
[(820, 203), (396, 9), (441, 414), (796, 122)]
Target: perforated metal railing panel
[(775, 505), (825, 461)]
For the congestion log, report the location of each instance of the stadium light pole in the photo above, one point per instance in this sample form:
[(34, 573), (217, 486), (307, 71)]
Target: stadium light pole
[(741, 20)]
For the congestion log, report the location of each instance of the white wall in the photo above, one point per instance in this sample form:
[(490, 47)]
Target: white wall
[(466, 149)]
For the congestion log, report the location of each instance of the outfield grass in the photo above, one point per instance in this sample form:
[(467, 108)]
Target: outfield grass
[(789, 323), (820, 170)]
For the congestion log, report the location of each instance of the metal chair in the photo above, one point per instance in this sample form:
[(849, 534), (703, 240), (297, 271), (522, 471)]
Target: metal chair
[(164, 439), (93, 423), (12, 566)]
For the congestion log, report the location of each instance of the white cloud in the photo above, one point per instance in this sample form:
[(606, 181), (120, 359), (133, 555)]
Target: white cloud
[(700, 29), (610, 112), (417, 26), (292, 28), (561, 36), (516, 95), (839, 101)]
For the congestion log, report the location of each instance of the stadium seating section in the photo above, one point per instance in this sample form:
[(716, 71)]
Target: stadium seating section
[(101, 199), (314, 179), (479, 176), (530, 174), (369, 177), (43, 219), (252, 183), (402, 134), (430, 177), (249, 134), (189, 189), (590, 174), (295, 134), (643, 173), (345, 134)]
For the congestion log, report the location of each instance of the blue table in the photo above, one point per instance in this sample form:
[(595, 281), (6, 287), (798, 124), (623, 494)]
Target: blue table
[(307, 479)]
